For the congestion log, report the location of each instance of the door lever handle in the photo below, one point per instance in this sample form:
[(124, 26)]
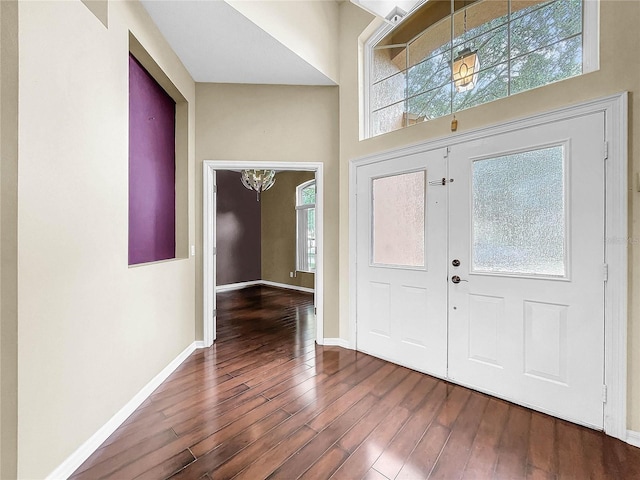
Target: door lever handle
[(456, 279)]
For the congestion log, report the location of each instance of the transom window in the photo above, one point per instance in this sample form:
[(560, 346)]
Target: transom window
[(306, 227), (515, 45)]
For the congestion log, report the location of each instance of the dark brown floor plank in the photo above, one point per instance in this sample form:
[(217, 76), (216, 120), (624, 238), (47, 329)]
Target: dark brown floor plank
[(484, 450), (309, 411), (373, 474), (392, 459), (328, 463), (307, 455), (350, 398), (542, 456), (534, 473), (424, 457), (572, 462), (265, 400), (210, 461), (354, 437), (458, 448), (166, 468), (368, 452), (272, 459), (512, 459), (124, 457), (214, 419)]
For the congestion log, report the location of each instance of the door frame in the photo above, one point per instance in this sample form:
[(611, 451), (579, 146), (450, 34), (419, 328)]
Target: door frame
[(209, 168), (615, 108)]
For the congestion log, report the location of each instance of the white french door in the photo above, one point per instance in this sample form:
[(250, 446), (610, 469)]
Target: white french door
[(526, 320), (401, 219), (508, 297)]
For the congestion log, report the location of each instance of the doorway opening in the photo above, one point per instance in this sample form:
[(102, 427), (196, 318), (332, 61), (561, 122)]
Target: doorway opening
[(210, 168)]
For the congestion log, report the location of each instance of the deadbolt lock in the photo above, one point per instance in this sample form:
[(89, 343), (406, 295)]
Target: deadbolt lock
[(456, 263)]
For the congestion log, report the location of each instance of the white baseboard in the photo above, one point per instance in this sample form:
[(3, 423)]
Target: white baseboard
[(199, 344), (77, 458), (238, 286), (284, 285), (633, 438), (337, 342)]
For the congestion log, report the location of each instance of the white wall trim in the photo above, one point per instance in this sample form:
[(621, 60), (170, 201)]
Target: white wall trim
[(616, 256), (208, 261), (66, 468), (337, 342), (615, 109), (633, 438), (209, 168)]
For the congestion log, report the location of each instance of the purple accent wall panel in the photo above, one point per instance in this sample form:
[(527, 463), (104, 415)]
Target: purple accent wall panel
[(238, 237), (152, 169)]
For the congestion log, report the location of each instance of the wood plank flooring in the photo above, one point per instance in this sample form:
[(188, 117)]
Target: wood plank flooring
[(266, 402)]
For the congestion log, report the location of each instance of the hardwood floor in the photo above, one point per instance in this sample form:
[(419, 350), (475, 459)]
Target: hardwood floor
[(266, 402)]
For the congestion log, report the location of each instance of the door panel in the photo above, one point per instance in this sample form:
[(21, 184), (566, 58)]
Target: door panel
[(527, 223), (401, 228)]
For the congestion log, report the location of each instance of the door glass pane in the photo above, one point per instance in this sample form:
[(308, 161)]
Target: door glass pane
[(399, 219), (519, 213)]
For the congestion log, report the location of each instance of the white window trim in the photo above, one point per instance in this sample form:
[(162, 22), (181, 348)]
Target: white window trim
[(590, 55), (590, 36), (368, 64), (299, 207)]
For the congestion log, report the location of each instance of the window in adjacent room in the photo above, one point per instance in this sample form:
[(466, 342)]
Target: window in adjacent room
[(520, 45), (306, 227)]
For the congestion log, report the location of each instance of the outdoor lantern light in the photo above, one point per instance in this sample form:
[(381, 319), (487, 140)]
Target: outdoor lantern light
[(465, 69), (258, 180), (466, 65)]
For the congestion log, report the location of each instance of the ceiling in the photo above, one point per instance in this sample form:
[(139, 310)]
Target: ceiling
[(218, 44)]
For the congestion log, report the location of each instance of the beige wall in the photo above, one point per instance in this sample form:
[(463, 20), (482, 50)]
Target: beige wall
[(273, 123), (279, 231), (307, 28), (618, 72), (8, 238), (92, 331)]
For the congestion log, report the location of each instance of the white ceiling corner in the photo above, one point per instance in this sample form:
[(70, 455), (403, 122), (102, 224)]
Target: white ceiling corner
[(218, 44)]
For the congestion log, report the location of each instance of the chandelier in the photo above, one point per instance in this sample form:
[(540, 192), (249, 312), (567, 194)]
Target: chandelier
[(258, 180)]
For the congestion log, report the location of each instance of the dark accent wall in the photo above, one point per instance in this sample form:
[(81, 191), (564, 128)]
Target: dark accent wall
[(238, 236), (152, 169)]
